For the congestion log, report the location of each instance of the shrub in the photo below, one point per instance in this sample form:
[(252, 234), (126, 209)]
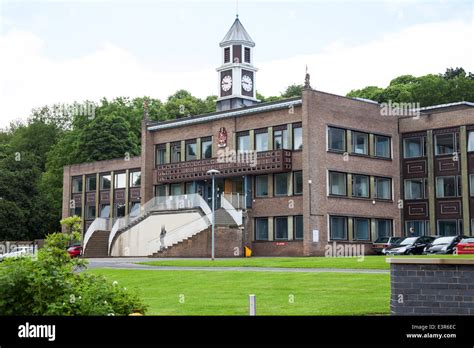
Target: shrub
[(53, 284)]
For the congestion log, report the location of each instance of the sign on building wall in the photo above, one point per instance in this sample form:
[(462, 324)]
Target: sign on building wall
[(316, 236), (222, 138)]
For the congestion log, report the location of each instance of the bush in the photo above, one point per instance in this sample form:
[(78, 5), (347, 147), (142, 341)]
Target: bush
[(52, 284)]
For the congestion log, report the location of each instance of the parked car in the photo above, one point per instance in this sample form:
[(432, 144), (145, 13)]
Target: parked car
[(409, 246), (382, 243), (74, 250), (19, 251), (443, 245), (465, 246)]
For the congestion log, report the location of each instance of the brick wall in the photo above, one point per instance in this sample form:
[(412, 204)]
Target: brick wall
[(432, 287), (228, 243)]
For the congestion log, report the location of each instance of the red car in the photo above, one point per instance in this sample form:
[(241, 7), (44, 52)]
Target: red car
[(75, 250), (465, 246)]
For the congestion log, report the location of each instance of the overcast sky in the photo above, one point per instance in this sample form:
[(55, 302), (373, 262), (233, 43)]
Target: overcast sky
[(65, 51)]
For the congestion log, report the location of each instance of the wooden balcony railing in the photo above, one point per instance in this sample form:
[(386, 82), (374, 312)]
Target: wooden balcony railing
[(274, 161)]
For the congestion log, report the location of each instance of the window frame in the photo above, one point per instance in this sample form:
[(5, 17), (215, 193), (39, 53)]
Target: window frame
[(300, 128), (456, 186), (257, 186), (423, 187), (256, 229), (389, 146), (346, 226), (275, 175), (422, 147), (329, 138), (116, 180), (354, 186), (353, 143), (295, 217), (295, 173), (284, 139), (275, 227), (345, 184), (354, 222), (454, 138), (376, 179)]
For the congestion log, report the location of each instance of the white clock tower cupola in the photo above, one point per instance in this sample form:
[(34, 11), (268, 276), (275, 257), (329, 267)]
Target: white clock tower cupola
[(236, 75)]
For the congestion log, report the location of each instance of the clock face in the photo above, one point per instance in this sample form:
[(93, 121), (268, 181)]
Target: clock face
[(247, 83), (226, 83)]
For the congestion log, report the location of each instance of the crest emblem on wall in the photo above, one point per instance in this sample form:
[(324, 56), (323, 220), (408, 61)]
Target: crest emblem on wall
[(222, 138)]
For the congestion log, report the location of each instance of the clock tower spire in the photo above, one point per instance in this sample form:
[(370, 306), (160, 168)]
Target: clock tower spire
[(236, 75)]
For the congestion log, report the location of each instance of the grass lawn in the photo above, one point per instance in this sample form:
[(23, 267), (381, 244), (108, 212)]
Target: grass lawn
[(226, 292), (368, 262)]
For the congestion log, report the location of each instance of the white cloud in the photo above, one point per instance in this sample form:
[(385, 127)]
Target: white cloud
[(28, 78)]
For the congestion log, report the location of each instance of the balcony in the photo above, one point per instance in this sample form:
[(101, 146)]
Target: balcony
[(275, 161)]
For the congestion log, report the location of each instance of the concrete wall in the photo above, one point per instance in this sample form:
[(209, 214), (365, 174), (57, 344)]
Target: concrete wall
[(432, 287), (137, 241)]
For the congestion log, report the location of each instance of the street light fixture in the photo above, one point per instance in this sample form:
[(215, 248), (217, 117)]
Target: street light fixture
[(213, 173)]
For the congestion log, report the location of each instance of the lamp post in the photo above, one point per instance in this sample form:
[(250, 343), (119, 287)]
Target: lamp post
[(213, 173)]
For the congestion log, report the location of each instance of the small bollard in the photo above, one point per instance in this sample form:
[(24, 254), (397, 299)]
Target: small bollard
[(252, 305)]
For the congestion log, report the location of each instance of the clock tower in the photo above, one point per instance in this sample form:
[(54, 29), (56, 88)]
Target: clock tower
[(236, 75)]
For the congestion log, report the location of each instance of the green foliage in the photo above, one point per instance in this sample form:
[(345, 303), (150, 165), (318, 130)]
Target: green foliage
[(52, 285), (428, 90), (293, 91)]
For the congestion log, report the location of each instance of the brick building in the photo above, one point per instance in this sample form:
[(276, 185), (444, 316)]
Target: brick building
[(294, 175)]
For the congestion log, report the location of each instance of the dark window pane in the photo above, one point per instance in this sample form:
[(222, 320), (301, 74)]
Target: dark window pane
[(191, 151), (338, 227), (206, 149), (77, 185), (298, 183), (261, 185), (298, 227), (261, 229), (281, 228), (297, 138), (360, 143), (413, 147), (360, 186), (444, 144), (414, 189), (91, 183), (383, 188), (337, 184), (382, 146), (446, 186), (281, 184), (383, 228), (361, 229), (105, 182), (336, 139)]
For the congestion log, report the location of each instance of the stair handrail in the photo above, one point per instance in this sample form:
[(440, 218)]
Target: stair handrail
[(99, 224), (160, 203), (230, 208), (180, 233)]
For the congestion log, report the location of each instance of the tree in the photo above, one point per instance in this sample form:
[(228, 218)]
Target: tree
[(293, 91)]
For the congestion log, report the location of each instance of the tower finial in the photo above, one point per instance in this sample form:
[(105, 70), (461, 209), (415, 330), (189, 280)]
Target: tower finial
[(306, 79)]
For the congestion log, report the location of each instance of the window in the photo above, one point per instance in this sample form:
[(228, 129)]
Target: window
[(175, 152), (160, 154), (444, 144), (191, 149), (471, 184), (383, 228), (104, 210), (280, 139), (247, 55), (120, 180), (298, 183), (281, 228), (77, 211), (338, 227), (420, 227), (298, 226), (415, 189), (261, 186), (360, 143), (90, 212), (135, 179), (413, 147), (360, 185), (361, 229), (160, 190), (470, 141), (77, 185), (227, 55), (261, 229), (336, 139), (448, 227), (119, 210), (105, 182), (261, 140), (175, 190), (297, 137), (91, 183), (446, 186), (281, 184), (382, 146), (337, 184), (243, 141), (206, 147), (383, 188)]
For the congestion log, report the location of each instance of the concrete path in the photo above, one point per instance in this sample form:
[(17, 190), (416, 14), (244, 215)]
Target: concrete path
[(130, 263)]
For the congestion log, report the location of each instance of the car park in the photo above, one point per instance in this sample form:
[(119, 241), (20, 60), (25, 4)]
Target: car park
[(465, 246), (409, 246), (443, 245), (383, 243)]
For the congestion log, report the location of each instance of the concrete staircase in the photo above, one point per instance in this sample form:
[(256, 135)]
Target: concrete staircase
[(98, 245), (223, 218)]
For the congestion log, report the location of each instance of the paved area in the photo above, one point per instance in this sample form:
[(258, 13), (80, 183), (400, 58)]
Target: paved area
[(130, 263)]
